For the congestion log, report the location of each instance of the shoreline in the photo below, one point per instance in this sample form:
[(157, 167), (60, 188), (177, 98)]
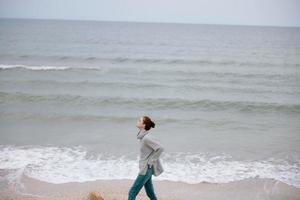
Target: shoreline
[(251, 188)]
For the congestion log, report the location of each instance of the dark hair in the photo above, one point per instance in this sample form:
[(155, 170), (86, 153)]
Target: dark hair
[(148, 123)]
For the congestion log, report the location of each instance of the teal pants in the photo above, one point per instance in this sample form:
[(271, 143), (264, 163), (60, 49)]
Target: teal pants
[(140, 181)]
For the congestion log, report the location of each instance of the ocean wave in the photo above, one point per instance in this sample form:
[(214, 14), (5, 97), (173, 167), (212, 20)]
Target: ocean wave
[(140, 61), (94, 117), (75, 164), (30, 67), (174, 72), (151, 103), (200, 85), (67, 117)]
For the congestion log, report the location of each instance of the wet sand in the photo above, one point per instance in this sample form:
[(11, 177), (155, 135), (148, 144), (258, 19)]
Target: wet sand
[(252, 188)]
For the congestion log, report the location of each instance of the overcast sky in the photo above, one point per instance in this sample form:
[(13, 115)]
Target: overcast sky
[(245, 12)]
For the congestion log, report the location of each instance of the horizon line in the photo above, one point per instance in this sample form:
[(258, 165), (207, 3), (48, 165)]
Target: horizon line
[(151, 22)]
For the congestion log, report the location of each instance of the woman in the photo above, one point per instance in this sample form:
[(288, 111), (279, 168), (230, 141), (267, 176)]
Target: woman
[(149, 162)]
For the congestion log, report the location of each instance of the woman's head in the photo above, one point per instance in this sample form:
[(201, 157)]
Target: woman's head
[(145, 123)]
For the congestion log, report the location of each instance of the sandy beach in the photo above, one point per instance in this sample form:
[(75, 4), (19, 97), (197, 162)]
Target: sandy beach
[(252, 188)]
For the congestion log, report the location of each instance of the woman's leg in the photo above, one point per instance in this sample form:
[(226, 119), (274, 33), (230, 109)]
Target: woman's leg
[(149, 189), (138, 184)]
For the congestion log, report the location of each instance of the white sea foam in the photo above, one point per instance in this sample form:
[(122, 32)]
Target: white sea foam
[(34, 67), (62, 164)]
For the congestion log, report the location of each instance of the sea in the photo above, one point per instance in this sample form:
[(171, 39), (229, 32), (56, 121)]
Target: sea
[(225, 100)]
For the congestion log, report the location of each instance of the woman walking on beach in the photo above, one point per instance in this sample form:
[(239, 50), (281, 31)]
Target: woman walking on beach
[(149, 162)]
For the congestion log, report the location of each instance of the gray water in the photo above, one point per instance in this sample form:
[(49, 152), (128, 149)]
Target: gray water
[(225, 99)]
